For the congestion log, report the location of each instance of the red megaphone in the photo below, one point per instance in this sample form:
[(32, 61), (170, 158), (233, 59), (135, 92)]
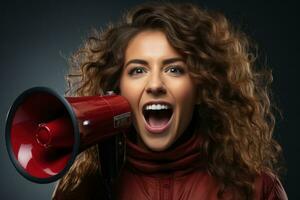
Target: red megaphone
[(45, 132)]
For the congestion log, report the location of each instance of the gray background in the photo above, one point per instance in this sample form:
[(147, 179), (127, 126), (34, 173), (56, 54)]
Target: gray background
[(36, 38)]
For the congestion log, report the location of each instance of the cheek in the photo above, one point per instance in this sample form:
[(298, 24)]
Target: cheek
[(131, 91), (184, 92), (126, 90)]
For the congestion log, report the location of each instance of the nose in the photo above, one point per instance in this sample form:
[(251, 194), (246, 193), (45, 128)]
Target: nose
[(155, 86)]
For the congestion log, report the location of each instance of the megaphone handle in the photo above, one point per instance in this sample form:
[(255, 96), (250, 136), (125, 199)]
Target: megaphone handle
[(112, 158)]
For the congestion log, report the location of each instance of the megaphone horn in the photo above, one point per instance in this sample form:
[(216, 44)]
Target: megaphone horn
[(45, 131)]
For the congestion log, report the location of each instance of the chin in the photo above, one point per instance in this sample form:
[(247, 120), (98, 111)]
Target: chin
[(157, 144), (157, 147)]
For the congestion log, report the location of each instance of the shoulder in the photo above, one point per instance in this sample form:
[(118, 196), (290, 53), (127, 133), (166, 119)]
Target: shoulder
[(269, 187)]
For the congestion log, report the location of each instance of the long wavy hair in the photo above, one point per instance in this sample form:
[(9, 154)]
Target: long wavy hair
[(234, 108)]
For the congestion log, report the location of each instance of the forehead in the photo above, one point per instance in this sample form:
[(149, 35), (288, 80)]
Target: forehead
[(150, 44)]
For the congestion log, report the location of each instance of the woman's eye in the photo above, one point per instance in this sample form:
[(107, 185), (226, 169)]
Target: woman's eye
[(176, 70), (136, 71)]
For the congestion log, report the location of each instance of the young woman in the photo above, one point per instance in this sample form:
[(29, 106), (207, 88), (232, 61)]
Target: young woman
[(202, 119)]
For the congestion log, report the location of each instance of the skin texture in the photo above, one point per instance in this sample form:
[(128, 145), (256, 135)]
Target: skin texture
[(155, 71)]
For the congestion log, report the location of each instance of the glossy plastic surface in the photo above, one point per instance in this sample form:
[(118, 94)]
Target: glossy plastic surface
[(100, 117), (45, 132)]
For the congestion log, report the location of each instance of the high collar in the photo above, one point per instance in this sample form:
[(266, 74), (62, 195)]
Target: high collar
[(184, 156)]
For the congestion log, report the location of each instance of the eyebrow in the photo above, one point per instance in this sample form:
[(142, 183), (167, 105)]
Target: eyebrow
[(165, 62), (172, 60)]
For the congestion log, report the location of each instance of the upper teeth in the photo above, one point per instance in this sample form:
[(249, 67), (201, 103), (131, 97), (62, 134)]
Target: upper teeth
[(156, 107)]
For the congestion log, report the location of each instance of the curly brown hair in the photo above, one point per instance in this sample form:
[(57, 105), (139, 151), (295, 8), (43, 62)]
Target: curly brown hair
[(234, 107)]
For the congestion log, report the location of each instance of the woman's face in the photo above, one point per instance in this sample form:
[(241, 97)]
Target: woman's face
[(162, 95)]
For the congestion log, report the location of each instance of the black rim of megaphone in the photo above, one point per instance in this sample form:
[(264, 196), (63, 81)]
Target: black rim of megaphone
[(10, 117)]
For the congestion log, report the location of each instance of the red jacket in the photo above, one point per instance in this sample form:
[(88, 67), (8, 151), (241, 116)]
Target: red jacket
[(175, 174), (178, 174)]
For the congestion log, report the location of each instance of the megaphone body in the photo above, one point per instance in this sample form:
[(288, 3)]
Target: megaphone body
[(45, 131)]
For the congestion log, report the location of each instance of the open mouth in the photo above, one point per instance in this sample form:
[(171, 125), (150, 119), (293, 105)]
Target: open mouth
[(157, 117)]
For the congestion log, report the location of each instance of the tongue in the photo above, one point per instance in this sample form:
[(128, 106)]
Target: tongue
[(158, 119)]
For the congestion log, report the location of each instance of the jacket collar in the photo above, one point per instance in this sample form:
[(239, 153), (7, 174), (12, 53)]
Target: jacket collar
[(184, 155)]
